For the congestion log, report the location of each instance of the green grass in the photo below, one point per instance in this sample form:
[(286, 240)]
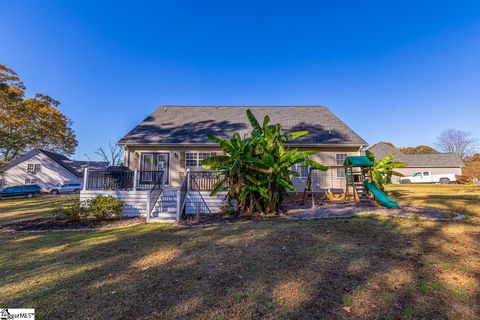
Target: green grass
[(377, 267), (18, 209)]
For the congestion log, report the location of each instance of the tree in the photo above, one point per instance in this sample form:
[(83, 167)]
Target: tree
[(114, 154), (257, 169), (471, 167), (383, 169), (457, 141), (421, 149), (27, 123)]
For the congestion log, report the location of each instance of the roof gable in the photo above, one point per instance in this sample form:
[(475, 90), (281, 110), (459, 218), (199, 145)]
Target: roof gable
[(72, 166), (190, 124)]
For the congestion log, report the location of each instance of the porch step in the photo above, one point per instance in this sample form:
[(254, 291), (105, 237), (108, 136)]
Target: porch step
[(161, 220)]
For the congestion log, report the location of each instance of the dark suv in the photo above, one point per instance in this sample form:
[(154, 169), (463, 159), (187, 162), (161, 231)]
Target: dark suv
[(28, 191)]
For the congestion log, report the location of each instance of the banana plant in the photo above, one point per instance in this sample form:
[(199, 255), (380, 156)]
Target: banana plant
[(257, 169), (383, 169)]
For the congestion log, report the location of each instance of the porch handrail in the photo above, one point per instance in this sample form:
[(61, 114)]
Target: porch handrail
[(199, 193), (158, 185), (205, 180), (121, 180), (183, 194)]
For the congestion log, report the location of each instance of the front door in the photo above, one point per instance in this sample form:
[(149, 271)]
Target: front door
[(153, 162)]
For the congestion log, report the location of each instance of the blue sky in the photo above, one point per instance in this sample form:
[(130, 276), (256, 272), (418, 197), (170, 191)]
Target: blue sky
[(399, 71)]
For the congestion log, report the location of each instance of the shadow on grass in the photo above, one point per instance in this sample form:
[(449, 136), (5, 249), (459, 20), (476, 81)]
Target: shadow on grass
[(360, 268)]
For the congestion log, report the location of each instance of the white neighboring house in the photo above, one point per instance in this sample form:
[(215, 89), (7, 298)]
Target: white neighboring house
[(435, 164), (45, 169)]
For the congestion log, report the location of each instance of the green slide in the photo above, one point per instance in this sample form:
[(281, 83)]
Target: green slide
[(380, 196)]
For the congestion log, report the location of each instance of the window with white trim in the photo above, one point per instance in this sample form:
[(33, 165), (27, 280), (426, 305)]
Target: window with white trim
[(30, 181), (339, 160), (34, 167), (194, 159)]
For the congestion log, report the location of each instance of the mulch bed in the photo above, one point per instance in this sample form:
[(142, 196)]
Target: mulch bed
[(348, 209), (53, 224), (295, 209)]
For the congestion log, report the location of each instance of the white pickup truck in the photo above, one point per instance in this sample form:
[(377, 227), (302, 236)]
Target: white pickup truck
[(428, 177)]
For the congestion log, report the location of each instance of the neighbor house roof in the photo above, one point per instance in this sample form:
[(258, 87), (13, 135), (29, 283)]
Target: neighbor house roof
[(190, 124), (74, 167), (439, 160)]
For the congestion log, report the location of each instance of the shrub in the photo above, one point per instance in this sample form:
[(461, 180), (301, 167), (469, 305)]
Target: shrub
[(99, 208), (105, 207), (463, 179), (73, 211)]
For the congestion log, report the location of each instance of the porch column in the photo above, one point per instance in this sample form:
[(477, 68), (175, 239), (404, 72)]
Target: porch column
[(179, 205), (149, 203), (85, 178), (135, 177), (187, 176)]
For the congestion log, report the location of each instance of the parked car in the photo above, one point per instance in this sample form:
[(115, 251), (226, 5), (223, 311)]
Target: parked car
[(428, 177), (69, 187), (27, 191)]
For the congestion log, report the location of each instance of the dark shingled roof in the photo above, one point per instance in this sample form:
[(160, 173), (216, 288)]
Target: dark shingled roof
[(434, 160), (73, 166), (190, 124)]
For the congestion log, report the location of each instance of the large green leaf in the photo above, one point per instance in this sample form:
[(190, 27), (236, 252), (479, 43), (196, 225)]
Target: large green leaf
[(226, 146), (215, 162), (303, 154), (315, 165), (253, 121), (218, 186), (295, 135)]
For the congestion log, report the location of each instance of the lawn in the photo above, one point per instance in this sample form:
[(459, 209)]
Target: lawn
[(18, 209), (359, 268)]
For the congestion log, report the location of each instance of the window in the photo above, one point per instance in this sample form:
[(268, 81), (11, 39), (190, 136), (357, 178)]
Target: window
[(34, 167), (426, 174), (417, 174), (191, 159), (194, 159), (302, 169), (339, 160), (30, 181)]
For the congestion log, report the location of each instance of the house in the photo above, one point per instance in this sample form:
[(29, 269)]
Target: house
[(45, 169), (436, 163), (173, 139)]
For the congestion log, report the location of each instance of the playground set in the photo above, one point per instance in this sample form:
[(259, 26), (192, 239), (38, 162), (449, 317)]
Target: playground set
[(360, 187)]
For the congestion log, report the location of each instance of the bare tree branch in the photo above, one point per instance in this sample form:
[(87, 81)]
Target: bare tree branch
[(457, 141), (114, 154)]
